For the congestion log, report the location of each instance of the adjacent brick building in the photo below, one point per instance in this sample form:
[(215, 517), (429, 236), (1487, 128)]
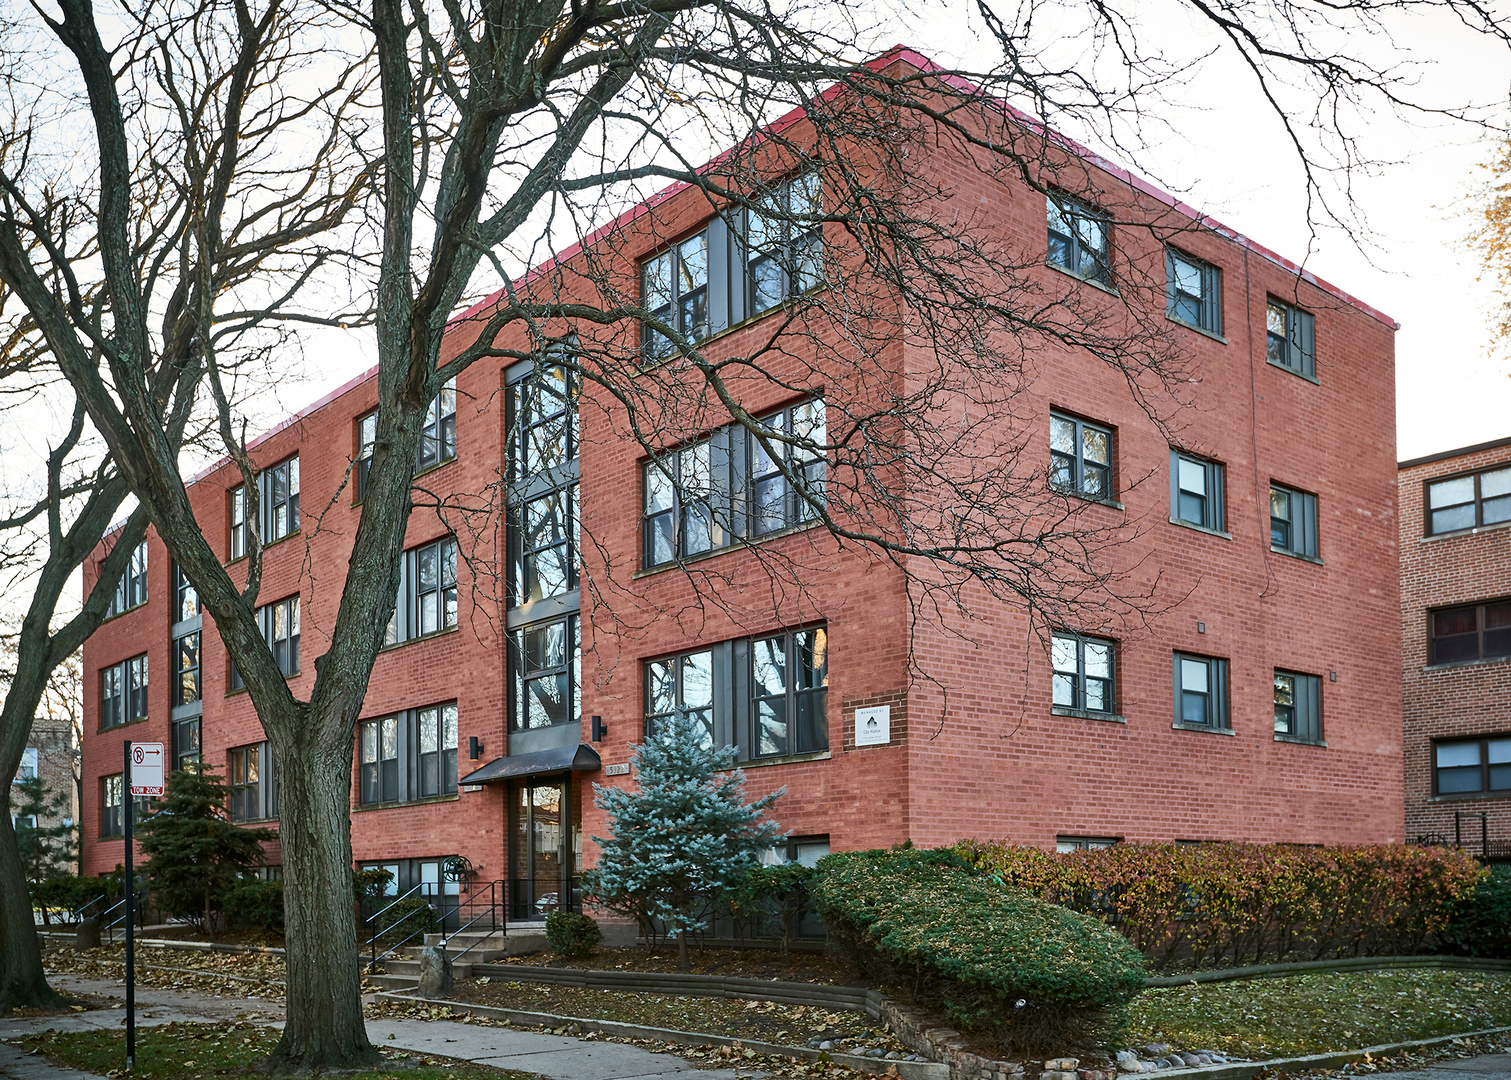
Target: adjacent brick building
[(1252, 697), (1456, 645)]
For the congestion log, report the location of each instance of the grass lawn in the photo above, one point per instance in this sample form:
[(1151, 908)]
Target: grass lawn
[(1311, 1014), (194, 1051)]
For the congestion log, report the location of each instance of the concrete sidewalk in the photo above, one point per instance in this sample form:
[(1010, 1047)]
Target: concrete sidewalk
[(556, 1056)]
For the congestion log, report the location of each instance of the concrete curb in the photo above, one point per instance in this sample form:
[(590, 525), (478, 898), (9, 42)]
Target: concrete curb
[(1357, 963), (908, 1070), (1244, 1070)]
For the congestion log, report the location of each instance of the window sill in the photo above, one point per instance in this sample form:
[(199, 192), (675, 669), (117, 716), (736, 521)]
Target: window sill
[(1202, 330), (744, 544), (120, 614), (428, 800), (785, 304), (1297, 555), (1073, 493), (1470, 796), (1093, 282), (421, 637), (788, 759), (122, 724), (1473, 530), (1180, 726), (1453, 666), (1200, 528), (1298, 741), (1299, 374), (1087, 714), (253, 821), (427, 470)]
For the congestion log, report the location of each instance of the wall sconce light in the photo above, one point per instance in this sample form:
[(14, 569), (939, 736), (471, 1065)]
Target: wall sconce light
[(600, 729), (474, 747)]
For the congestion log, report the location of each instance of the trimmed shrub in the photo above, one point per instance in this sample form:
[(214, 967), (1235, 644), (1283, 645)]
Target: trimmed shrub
[(571, 935), (1214, 905), (254, 902), (1481, 922), (771, 900), (73, 893), (1032, 975)]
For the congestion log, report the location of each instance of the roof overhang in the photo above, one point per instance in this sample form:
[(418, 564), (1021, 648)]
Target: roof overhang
[(579, 758)]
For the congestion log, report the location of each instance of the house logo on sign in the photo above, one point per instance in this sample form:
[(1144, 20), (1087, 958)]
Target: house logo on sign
[(873, 727)]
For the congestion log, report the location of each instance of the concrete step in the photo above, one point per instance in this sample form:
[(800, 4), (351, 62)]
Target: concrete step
[(395, 966), (395, 982)]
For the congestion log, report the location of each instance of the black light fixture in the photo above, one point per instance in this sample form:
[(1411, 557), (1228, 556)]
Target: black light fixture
[(600, 729), (474, 747)]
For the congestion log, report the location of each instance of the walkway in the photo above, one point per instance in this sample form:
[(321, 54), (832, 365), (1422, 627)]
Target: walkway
[(554, 1056)]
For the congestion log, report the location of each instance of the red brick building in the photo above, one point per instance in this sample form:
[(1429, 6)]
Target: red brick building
[(1257, 514), (1456, 645)]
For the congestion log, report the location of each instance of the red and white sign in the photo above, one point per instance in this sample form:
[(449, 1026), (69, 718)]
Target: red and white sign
[(147, 768)]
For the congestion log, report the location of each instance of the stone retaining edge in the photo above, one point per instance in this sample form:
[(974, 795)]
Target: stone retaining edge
[(908, 1070), (1353, 963), (849, 998)]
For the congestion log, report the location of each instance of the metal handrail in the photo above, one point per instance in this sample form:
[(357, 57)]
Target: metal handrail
[(78, 913), (109, 925), (372, 919), (494, 887)]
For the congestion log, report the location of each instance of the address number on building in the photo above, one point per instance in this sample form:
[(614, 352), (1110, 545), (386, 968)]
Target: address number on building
[(622, 769)]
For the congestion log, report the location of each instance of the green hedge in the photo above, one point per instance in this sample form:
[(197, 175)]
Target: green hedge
[(1480, 924), (254, 902), (1033, 975), (1218, 905), (571, 935)]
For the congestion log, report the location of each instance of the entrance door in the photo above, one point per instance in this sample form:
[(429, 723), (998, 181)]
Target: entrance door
[(544, 850)]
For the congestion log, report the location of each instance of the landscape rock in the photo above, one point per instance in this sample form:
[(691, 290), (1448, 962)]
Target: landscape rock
[(1067, 1064), (1189, 1060), (827, 1044), (1157, 1050), (1128, 1062), (435, 972)]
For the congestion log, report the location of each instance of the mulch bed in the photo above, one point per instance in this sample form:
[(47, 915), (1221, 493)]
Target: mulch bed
[(801, 966)]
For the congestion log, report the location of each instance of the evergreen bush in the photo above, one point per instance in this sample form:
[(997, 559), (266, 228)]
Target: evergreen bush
[(771, 900), (572, 936), (1481, 922), (255, 902), (1034, 976)]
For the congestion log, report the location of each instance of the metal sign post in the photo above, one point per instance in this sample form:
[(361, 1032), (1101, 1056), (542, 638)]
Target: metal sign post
[(143, 776)]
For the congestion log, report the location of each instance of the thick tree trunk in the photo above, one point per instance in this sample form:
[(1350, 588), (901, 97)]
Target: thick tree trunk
[(325, 1029), (23, 984)]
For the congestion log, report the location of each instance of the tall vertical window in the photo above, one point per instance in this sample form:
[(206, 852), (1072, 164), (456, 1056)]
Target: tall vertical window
[(253, 781), (1196, 491), (784, 242), (1080, 457), (674, 289), (680, 684), (1461, 635), (1472, 766), (186, 735), (547, 664), (367, 438), (546, 535), (1298, 707), (186, 603), (378, 765), (187, 660), (543, 423), (1293, 521), (1080, 239), (280, 496), (1083, 668), (280, 629), (1201, 692), (1290, 338), (111, 820), (438, 436), (123, 692), (131, 590), (800, 435), (437, 750), (427, 602), (1193, 291), (237, 511), (789, 682), (1464, 502)]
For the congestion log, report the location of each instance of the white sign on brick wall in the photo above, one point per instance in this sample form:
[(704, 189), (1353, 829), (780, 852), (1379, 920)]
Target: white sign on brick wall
[(873, 727)]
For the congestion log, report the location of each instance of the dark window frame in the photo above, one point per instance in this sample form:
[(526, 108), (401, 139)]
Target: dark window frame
[(527, 420), (678, 300), (673, 677), (253, 778), (236, 517), (188, 681), (112, 800), (1081, 681), (1072, 212), (129, 699), (535, 541), (285, 650), (791, 234), (131, 591), (1490, 772), (1300, 522), (1216, 705), (1080, 471), (397, 764), (1298, 707), (1293, 346), (1207, 303), (279, 491), (187, 741), (185, 597), (407, 623), (1485, 651), (1212, 512), (525, 672), (797, 738), (1478, 502)]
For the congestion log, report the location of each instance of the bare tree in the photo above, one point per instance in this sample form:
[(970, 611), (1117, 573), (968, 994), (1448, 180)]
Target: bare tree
[(495, 129)]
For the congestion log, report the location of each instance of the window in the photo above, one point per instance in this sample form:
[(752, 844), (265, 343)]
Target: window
[(1293, 521), (1196, 491), (238, 514), (280, 496), (280, 629), (367, 438), (1290, 338), (543, 423), (187, 656), (253, 781), (1201, 692), (1298, 707), (784, 251), (1064, 845), (1472, 766), (28, 769), (1080, 457), (705, 496), (186, 603), (789, 681), (1464, 502), (186, 734), (131, 590), (547, 666), (426, 603), (411, 755), (674, 289), (545, 531), (1463, 635), (438, 436), (1193, 291), (680, 684), (123, 692), (1079, 239), (111, 823), (1083, 673)]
